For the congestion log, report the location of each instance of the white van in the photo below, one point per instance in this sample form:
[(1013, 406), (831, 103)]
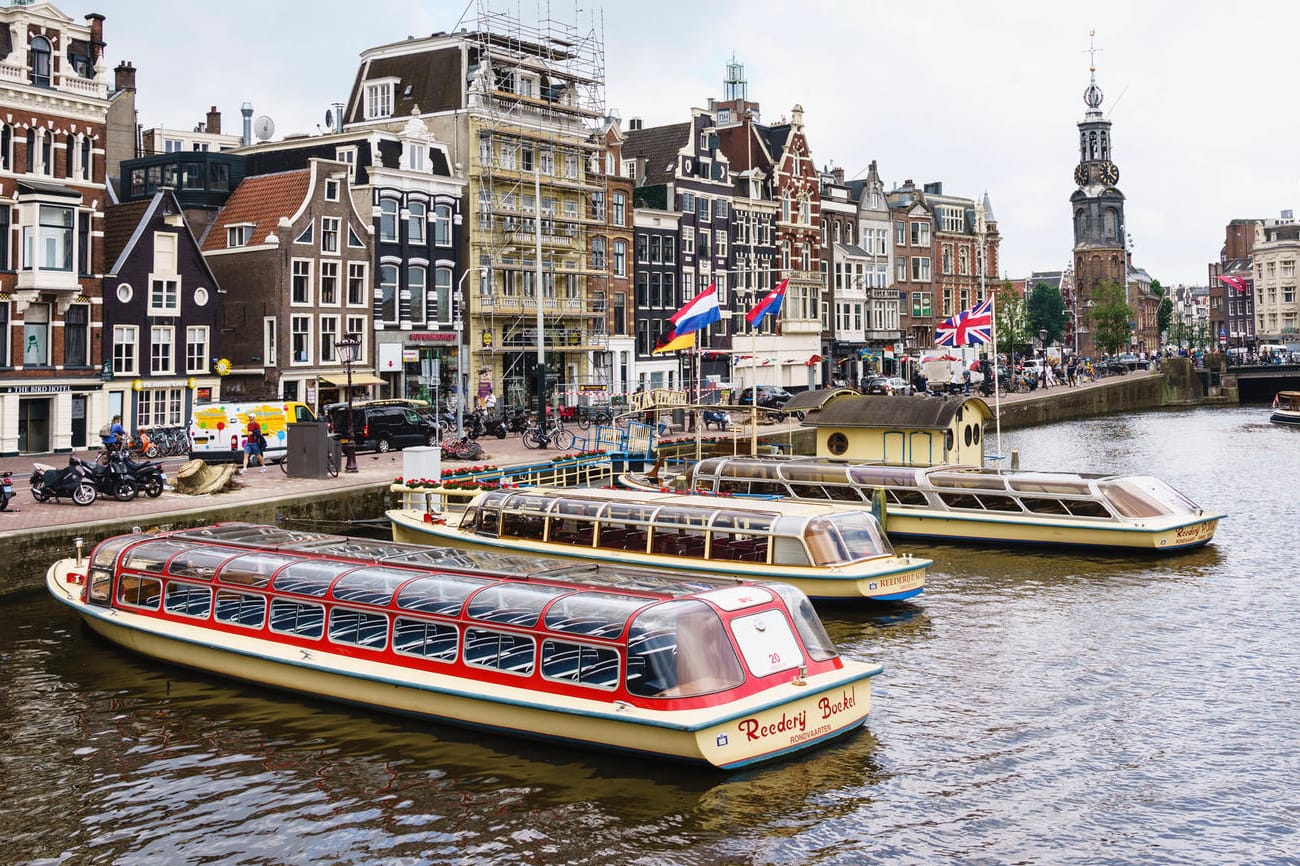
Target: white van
[(217, 430)]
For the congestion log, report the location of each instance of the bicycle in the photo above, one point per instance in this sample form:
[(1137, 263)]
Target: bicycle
[(598, 415), (553, 434), (462, 449)]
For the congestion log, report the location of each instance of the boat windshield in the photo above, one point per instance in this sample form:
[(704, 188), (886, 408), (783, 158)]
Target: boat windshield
[(678, 649), (599, 614), (816, 641), (1145, 496), (847, 537)]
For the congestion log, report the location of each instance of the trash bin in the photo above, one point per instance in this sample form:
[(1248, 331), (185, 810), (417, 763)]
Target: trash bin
[(308, 449), (422, 462)]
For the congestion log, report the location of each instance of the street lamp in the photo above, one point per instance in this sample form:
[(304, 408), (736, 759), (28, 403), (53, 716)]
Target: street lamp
[(349, 347), (1042, 340), (462, 382)]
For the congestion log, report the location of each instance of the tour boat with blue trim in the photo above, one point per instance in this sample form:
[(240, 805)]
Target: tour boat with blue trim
[(674, 666), (1286, 408), (829, 553), (965, 503)]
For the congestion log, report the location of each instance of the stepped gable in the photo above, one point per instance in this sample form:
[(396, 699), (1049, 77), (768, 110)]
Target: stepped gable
[(261, 200)]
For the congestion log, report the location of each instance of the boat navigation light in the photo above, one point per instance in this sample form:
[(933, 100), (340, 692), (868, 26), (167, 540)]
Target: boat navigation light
[(623, 706), (800, 679), (79, 541)]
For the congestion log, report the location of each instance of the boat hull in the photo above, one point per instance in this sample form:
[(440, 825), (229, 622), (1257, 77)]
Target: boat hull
[(1285, 418), (769, 725), (895, 579)]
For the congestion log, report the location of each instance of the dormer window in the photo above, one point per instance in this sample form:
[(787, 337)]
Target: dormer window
[(40, 59), (239, 235), (379, 98)]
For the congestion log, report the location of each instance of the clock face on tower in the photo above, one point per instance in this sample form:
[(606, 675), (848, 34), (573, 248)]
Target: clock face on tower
[(1081, 174), (1110, 173)]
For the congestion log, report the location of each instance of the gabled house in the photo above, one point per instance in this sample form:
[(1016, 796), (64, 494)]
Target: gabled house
[(162, 313), (293, 254)]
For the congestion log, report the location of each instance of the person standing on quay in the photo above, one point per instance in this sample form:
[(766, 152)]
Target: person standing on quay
[(254, 445)]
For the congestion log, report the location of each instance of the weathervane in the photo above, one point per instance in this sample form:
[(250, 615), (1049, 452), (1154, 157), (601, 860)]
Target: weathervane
[(1092, 96)]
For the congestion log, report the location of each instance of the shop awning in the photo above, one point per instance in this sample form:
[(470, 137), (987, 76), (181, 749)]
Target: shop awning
[(358, 379)]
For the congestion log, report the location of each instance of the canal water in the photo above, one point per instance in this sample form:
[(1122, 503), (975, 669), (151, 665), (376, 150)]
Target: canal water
[(1036, 707)]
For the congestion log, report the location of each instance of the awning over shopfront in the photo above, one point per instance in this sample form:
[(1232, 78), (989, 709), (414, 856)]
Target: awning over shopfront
[(358, 379)]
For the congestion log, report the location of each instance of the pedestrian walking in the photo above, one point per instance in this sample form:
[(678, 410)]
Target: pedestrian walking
[(254, 445)]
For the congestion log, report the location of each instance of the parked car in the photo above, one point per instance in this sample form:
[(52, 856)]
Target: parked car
[(769, 397), (899, 386), (384, 426), (878, 385), (1130, 360)]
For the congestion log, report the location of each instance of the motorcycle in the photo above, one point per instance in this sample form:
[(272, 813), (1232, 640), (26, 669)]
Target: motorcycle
[(6, 490), (516, 419), (112, 478), (148, 475), (50, 483)]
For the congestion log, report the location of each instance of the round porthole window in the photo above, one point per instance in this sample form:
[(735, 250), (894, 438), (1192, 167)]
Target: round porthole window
[(124, 293), (977, 435), (966, 434), (200, 297), (947, 440), (837, 444)]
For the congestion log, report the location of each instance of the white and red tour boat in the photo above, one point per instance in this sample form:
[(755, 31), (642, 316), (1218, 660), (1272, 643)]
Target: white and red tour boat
[(676, 666)]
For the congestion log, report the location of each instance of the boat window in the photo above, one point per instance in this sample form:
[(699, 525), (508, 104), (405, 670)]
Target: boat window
[(890, 476), (906, 497), (825, 544), (595, 666), (968, 480), (311, 577), (729, 486), (489, 521), (808, 491), (573, 522), (634, 512), (187, 599), (599, 614), (240, 608), (374, 585), (1042, 483), (441, 593), (152, 555), (1043, 506), (136, 591), (528, 503), (789, 551), (253, 569), (105, 555), (360, 627), (438, 641), (516, 524), (1087, 508), (198, 563), (817, 643), (995, 502), (815, 473), (1145, 496), (512, 604), (842, 493), (862, 535), (679, 649), (745, 521), (302, 618), (767, 643), (740, 536), (503, 651), (688, 518), (960, 500)]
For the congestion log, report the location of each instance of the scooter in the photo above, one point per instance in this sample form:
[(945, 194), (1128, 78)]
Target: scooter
[(6, 490), (495, 425), (112, 479), (148, 475), (50, 483)]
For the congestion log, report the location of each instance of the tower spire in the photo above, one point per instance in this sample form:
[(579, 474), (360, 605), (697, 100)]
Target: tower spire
[(1092, 96)]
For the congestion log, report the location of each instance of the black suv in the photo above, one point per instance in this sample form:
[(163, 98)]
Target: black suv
[(769, 397), (383, 427)]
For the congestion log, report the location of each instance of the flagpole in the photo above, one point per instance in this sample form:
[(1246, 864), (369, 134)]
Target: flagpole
[(753, 391)]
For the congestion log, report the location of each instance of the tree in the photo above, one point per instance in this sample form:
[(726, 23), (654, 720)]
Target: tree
[(1112, 317), (1047, 312), (1013, 319), (1166, 312)]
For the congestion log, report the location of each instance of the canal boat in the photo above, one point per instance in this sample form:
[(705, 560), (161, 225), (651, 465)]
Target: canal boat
[(1286, 408), (674, 666), (829, 553), (965, 503)]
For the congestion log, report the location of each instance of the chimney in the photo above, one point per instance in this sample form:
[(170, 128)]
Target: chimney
[(124, 77), (96, 37), (633, 123), (214, 121), (247, 110), (838, 174)]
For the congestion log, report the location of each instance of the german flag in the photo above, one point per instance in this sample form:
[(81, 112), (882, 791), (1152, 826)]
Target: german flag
[(670, 342)]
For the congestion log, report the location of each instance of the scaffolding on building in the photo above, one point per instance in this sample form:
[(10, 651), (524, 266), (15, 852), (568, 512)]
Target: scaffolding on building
[(536, 103)]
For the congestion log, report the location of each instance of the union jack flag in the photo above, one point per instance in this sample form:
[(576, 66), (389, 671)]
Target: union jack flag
[(971, 327)]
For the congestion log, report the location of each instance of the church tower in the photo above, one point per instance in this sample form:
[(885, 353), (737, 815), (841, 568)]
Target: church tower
[(1098, 208)]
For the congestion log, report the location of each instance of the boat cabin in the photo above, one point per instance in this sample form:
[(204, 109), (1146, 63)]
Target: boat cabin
[(677, 526), (553, 626), (905, 431)]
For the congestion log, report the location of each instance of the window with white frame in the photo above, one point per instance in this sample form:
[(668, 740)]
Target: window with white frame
[(356, 284), (418, 217), (920, 268), (196, 349), (300, 339), (416, 277), (164, 296), (126, 339), (388, 220), (442, 294), (48, 246), (379, 98), (619, 209), (357, 325), (508, 151), (688, 242), (388, 293), (598, 254), (546, 161), (270, 342), (331, 190), (920, 234), (300, 282), (329, 234), (329, 335), (329, 283), (162, 343), (442, 225), (348, 156), (240, 235), (620, 258), (721, 237)]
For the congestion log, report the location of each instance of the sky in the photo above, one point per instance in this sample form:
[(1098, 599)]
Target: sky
[(980, 96)]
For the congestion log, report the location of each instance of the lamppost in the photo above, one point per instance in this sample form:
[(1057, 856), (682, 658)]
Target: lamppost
[(348, 348), (462, 381), (1042, 340)]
